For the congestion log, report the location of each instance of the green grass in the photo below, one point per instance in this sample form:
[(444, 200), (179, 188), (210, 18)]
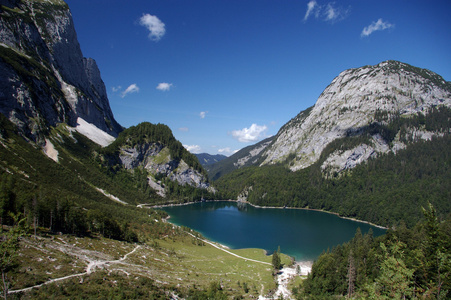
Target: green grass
[(202, 264), (178, 263), (162, 157)]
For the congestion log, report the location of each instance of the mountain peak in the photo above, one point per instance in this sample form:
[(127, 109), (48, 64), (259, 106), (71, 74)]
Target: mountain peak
[(353, 101)]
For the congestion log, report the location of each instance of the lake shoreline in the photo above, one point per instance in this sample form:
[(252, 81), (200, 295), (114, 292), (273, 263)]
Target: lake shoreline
[(315, 209), (269, 207)]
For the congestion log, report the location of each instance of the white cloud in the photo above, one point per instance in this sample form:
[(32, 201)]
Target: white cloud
[(331, 12), (193, 148), (328, 12), (116, 88), (250, 134), (133, 88), (375, 26), (202, 114), (184, 129), (164, 86), (310, 7), (227, 151), (154, 25)]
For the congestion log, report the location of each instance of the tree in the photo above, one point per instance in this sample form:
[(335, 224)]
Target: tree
[(7, 198), (395, 279), (8, 250), (276, 260), (437, 261), (351, 277)]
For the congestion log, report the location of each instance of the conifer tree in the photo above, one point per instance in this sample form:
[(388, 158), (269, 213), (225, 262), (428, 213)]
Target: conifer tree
[(276, 260), (351, 277)]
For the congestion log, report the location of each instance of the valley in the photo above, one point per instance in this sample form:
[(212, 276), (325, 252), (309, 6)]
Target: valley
[(79, 191)]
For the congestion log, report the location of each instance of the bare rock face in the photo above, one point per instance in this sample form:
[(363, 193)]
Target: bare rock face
[(155, 158), (351, 104), (45, 80)]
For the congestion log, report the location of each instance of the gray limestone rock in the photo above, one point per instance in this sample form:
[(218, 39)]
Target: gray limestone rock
[(349, 105), (45, 80)]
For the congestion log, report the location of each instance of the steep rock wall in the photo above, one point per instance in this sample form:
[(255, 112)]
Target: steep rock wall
[(45, 78)]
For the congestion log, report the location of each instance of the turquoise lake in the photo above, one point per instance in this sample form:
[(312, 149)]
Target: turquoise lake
[(302, 234)]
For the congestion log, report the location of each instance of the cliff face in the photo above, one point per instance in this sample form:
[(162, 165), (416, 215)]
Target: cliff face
[(152, 148), (156, 159), (356, 100), (45, 80)]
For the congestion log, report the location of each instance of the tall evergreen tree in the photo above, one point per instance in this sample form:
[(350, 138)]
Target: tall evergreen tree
[(276, 260)]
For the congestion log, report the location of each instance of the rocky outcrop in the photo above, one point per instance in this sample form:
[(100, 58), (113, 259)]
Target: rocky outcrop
[(351, 104), (253, 154), (156, 159), (45, 78)]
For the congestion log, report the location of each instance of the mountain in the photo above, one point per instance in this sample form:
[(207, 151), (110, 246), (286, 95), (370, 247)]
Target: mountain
[(46, 82), (208, 159), (358, 102), (153, 149), (362, 114), (45, 78), (375, 147), (247, 156)]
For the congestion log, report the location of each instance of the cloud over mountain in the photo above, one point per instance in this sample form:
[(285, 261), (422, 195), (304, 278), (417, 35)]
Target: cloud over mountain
[(250, 134), (376, 26), (193, 148)]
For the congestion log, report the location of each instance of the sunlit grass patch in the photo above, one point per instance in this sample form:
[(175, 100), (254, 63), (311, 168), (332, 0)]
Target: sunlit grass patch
[(203, 264)]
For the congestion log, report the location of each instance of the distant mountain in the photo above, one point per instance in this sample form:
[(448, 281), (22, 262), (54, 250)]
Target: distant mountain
[(206, 159), (247, 156)]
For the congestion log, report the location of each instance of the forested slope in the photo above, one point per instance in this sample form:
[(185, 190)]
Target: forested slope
[(403, 264), (74, 195), (384, 191)]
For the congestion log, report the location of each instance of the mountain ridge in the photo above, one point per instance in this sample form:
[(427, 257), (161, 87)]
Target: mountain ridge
[(351, 102), (364, 102), (207, 159)]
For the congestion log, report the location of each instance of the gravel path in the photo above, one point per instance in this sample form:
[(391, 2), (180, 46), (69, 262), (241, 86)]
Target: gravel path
[(89, 269)]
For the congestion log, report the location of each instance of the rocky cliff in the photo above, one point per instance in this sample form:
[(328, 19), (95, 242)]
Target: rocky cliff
[(45, 80), (361, 101), (153, 148)]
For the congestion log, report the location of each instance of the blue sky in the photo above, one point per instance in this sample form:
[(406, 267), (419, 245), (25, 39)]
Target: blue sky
[(226, 74)]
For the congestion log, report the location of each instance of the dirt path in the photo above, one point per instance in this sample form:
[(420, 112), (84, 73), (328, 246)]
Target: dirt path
[(89, 269)]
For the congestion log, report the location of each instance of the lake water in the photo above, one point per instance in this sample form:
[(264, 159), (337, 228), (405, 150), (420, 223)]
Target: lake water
[(303, 234)]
